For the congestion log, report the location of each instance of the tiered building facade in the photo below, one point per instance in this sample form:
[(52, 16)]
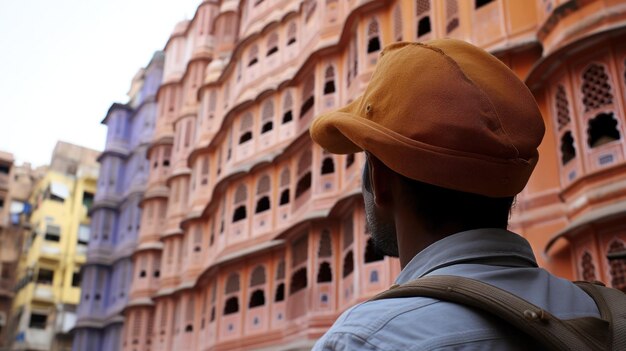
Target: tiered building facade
[(253, 237), (116, 213)]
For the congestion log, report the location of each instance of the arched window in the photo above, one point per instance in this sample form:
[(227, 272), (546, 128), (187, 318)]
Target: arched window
[(372, 253), (325, 249), (601, 130), (299, 257), (373, 41), (589, 269), (272, 44), (287, 107), (562, 108), (246, 128), (197, 238), (268, 117), (280, 293), (280, 276), (262, 192), (304, 174), (190, 314), (480, 3), (325, 274), (291, 33), (349, 160), (240, 203), (253, 55), (257, 278), (329, 78), (298, 281), (348, 264), (397, 23), (618, 266), (204, 171), (232, 287), (308, 96), (328, 165), (452, 15), (284, 187), (212, 104), (568, 152), (423, 17), (596, 87)]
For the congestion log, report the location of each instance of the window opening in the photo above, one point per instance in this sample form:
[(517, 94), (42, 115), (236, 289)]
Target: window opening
[(373, 43), (602, 129)]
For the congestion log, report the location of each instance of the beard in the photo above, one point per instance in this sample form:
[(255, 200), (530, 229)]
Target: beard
[(382, 230)]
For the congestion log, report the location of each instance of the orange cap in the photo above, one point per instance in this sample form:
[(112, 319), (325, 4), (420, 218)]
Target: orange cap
[(443, 112)]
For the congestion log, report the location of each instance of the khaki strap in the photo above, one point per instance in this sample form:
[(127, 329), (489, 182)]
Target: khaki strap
[(612, 306), (528, 318)]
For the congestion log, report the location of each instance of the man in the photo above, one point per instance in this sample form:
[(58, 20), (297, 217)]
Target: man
[(450, 136)]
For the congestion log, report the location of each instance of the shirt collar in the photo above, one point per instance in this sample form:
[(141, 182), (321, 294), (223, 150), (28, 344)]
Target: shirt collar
[(471, 245)]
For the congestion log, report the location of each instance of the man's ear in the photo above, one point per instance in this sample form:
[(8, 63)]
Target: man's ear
[(380, 181)]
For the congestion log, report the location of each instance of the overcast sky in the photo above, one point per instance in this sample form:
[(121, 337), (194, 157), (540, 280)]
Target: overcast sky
[(63, 62)]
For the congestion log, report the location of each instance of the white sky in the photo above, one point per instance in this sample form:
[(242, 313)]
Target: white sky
[(63, 62)]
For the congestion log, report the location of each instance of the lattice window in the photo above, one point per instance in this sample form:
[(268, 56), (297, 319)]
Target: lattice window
[(304, 173), (373, 41), (325, 249), (397, 23), (452, 15), (562, 108), (246, 128), (267, 117), (262, 191), (596, 88), (258, 276), (241, 195), (272, 44), (285, 179), (253, 55), (329, 78), (232, 284), (618, 266), (422, 8), (137, 324), (299, 251), (308, 96), (588, 268), (287, 106)]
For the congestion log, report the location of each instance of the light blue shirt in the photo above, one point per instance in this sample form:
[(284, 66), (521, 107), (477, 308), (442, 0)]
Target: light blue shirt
[(494, 256)]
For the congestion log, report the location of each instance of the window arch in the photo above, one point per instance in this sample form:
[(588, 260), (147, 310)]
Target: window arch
[(253, 55), (308, 95), (423, 17), (329, 80), (397, 23), (348, 263), (618, 266), (596, 87), (291, 33), (568, 151), (262, 191), (212, 104), (304, 174), (452, 15), (232, 288), (257, 298), (267, 117), (197, 238), (328, 165), (602, 129), (287, 107), (246, 128), (272, 44), (285, 179), (280, 277), (324, 253), (299, 257), (588, 268), (325, 249), (373, 40), (325, 274), (298, 281), (241, 194)]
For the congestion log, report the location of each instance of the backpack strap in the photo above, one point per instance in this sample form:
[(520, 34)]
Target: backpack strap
[(612, 306), (542, 326)]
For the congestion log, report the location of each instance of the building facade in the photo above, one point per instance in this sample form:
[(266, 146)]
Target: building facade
[(16, 183), (47, 290), (253, 237), (116, 213)]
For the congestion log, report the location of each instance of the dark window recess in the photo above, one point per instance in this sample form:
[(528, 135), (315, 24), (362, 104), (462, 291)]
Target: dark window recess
[(38, 321), (602, 129), (284, 197), (1, 202), (157, 273), (372, 253), (245, 137), (303, 185), (280, 293), (267, 126), (452, 25), (329, 87), (325, 274), (257, 299), (287, 117), (212, 314), (253, 62), (188, 328), (291, 41), (481, 3), (423, 26), (348, 264), (76, 279), (298, 281), (239, 214), (328, 166), (262, 205), (568, 152), (4, 169), (45, 276), (272, 51), (349, 160), (166, 163), (232, 305), (308, 104), (87, 199), (373, 45), (142, 273)]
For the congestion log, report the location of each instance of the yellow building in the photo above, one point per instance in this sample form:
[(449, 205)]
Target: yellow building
[(48, 287)]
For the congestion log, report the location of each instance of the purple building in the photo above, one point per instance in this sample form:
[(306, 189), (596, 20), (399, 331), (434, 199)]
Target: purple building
[(116, 214)]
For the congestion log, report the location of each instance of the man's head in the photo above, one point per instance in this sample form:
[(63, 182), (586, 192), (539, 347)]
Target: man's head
[(449, 123)]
